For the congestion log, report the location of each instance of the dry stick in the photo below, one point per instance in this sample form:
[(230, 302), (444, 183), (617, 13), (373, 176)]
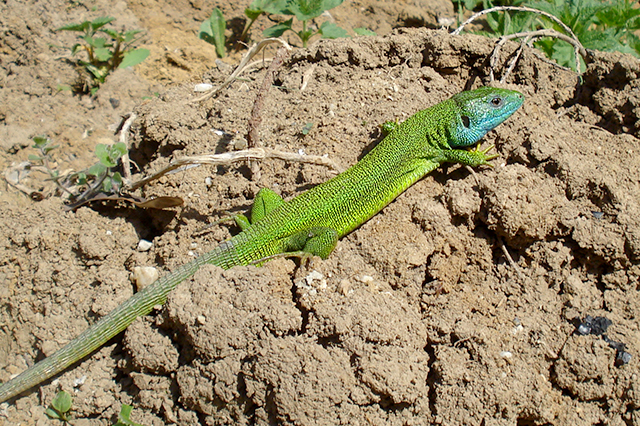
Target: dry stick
[(512, 62), (126, 162), (575, 42), (12, 176), (528, 36), (256, 113), (253, 139), (233, 157), (510, 259), (241, 66), (261, 62), (306, 77)]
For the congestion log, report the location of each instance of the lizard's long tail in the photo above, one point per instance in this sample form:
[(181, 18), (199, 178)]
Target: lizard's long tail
[(116, 321)]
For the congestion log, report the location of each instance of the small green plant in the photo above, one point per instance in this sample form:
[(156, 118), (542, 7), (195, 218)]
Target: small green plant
[(123, 417), (607, 25), (60, 407), (103, 172), (44, 146), (105, 49), (212, 31), (303, 10), (599, 25), (102, 177)]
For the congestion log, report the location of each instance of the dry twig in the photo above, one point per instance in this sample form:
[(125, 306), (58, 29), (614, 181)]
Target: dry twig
[(233, 157), (528, 35), (126, 162), (241, 66)]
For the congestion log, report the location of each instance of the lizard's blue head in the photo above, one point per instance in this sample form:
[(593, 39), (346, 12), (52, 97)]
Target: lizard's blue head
[(479, 111)]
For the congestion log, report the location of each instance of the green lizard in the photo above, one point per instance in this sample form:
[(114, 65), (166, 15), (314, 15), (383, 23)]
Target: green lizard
[(312, 223)]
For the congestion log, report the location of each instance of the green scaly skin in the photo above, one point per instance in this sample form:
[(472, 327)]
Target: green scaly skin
[(313, 222)]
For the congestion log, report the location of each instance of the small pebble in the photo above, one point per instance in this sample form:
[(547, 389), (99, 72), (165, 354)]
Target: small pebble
[(202, 87), (79, 381), (366, 279), (240, 143), (144, 245), (142, 276), (313, 275), (344, 287)]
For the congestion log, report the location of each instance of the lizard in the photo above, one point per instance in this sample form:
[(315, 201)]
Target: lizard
[(311, 223)]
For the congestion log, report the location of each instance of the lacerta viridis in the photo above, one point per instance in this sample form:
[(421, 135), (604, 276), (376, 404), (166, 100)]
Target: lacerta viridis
[(313, 222)]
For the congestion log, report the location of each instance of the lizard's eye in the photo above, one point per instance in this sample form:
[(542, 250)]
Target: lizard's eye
[(496, 102)]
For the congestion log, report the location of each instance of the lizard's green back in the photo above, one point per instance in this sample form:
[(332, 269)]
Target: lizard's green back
[(313, 221)]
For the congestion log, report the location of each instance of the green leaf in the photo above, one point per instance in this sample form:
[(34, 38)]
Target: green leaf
[(97, 170), (278, 30), (101, 21), (102, 54), (48, 148), (100, 73), (472, 4), (307, 128), (205, 32), (62, 402), (134, 57), (253, 14), (123, 417), (75, 27), (75, 48), (331, 30), (129, 36), (120, 148), (218, 25), (51, 413), (107, 185), (34, 158), (40, 141), (274, 7), (117, 178), (100, 42), (82, 178), (88, 39), (364, 32), (103, 154), (308, 9), (305, 35)]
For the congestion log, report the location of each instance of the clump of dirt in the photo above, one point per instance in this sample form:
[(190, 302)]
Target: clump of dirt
[(457, 304)]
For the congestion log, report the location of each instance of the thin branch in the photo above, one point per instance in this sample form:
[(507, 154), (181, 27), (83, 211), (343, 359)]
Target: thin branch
[(306, 77), (241, 66), (234, 157), (256, 113), (253, 138), (571, 39), (528, 36), (126, 163), (513, 264), (516, 9)]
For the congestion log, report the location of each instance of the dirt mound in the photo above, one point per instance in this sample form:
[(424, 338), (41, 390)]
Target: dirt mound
[(418, 317)]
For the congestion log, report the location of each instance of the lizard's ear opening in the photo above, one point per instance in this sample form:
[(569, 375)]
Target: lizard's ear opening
[(466, 122)]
